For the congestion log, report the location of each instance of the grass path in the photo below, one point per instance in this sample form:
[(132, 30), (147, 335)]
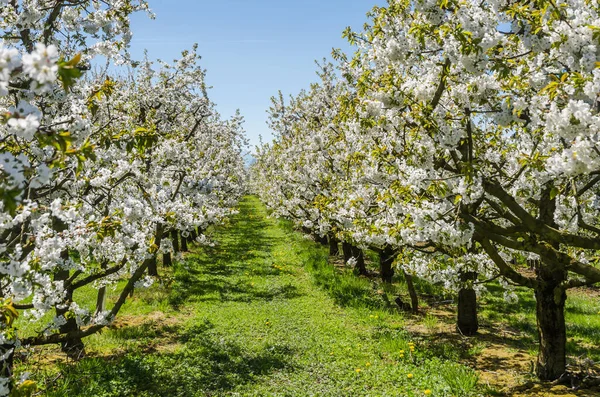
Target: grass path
[(247, 317)]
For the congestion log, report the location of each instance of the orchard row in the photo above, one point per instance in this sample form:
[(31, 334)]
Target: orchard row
[(461, 141), (102, 168)]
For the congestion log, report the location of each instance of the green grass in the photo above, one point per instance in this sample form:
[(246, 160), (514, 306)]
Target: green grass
[(260, 314)]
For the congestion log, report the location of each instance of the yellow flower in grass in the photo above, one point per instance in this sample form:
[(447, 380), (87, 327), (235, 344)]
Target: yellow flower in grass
[(427, 392), (410, 376), (367, 364), (358, 370)]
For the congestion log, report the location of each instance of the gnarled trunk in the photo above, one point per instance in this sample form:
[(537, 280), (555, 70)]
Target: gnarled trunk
[(467, 322), (550, 309)]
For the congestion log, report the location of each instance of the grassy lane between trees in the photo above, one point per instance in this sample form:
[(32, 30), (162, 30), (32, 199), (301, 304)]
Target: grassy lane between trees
[(263, 313)]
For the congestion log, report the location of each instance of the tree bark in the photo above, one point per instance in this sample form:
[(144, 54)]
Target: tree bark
[(184, 246), (334, 247), (360, 261), (152, 268), (101, 298), (386, 259), (550, 308), (350, 252), (175, 239), (467, 322), (320, 239), (414, 298), (167, 261), (347, 250), (74, 347)]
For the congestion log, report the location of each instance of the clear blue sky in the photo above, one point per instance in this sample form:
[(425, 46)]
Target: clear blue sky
[(250, 48)]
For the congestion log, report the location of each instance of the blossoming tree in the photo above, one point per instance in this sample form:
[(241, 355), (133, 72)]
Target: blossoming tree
[(479, 131), (95, 171)]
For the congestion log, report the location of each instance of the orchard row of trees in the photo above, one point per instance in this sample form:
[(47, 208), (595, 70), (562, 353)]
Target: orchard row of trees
[(462, 142), (100, 171)]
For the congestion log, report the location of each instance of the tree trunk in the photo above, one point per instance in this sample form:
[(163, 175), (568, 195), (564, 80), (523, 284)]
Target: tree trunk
[(414, 298), (467, 323), (167, 262), (175, 239), (184, 246), (550, 308), (347, 250), (101, 298), (360, 261), (73, 348), (320, 239), (350, 252), (152, 268), (386, 259), (334, 247)]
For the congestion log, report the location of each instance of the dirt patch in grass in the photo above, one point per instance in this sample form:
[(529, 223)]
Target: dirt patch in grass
[(587, 292), (158, 318)]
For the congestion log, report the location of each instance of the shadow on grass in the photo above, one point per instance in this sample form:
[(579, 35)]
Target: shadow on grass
[(206, 364), (217, 273)]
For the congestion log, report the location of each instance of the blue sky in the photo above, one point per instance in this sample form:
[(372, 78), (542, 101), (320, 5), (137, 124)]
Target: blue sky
[(250, 48)]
